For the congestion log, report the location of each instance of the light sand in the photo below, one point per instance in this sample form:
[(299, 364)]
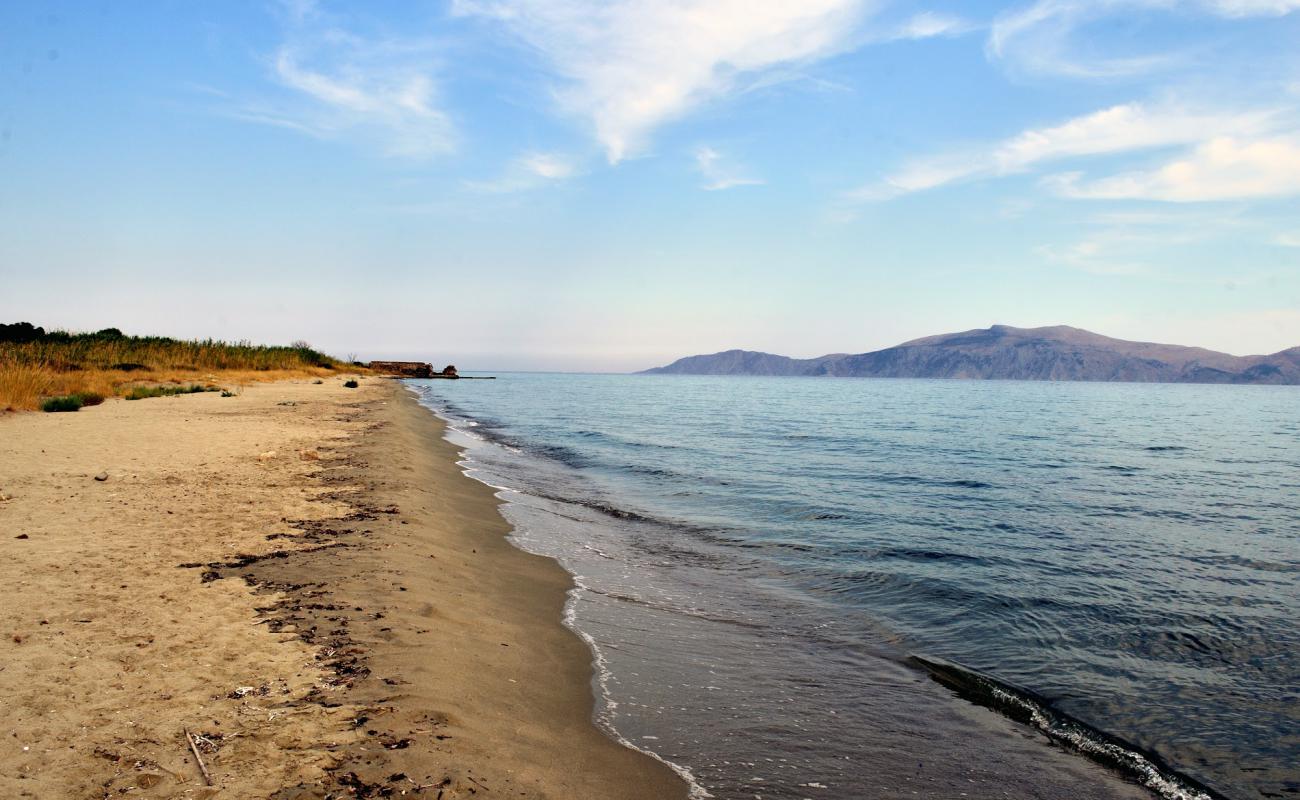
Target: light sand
[(350, 622)]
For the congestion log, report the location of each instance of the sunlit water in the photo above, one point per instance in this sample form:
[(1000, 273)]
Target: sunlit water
[(758, 558)]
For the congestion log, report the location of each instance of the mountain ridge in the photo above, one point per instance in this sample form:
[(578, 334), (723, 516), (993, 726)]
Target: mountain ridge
[(1004, 352)]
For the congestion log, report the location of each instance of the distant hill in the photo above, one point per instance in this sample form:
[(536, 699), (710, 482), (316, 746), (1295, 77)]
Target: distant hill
[(1058, 353)]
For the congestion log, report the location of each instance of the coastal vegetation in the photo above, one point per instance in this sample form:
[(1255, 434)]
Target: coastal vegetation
[(72, 402), (55, 368), (141, 392)]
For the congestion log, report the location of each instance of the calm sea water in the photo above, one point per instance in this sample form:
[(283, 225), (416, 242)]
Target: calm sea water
[(761, 562)]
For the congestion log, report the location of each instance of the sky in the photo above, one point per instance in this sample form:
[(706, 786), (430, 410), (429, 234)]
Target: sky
[(608, 186)]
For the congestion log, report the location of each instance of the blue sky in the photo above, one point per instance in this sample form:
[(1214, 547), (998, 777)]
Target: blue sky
[(610, 185)]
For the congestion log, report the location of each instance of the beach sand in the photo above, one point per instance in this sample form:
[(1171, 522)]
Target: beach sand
[(302, 578)]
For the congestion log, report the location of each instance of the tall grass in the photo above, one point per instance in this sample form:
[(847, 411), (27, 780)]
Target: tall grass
[(129, 352), (21, 384), (109, 363)]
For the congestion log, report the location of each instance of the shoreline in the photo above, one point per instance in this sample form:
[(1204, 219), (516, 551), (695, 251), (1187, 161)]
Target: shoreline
[(1120, 760), (1015, 754), (349, 618)]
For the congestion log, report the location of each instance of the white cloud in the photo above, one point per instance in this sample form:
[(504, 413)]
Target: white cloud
[(378, 89), (1038, 39), (1041, 38), (528, 171), (1224, 168), (1118, 129), (929, 24), (547, 165), (1287, 239), (630, 66), (719, 173), (1252, 8)]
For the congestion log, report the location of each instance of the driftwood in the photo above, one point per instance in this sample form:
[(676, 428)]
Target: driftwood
[(194, 748)]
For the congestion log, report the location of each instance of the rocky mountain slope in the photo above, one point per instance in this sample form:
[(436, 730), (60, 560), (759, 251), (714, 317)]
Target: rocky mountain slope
[(1006, 353)]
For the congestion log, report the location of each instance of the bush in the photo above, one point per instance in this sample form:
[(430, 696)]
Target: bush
[(72, 402), (68, 403), (20, 332), (351, 384), (141, 392)]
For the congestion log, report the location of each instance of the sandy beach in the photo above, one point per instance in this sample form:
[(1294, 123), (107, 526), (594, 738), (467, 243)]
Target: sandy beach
[(299, 577)]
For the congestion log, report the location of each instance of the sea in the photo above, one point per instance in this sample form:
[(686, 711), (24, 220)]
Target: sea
[(877, 588)]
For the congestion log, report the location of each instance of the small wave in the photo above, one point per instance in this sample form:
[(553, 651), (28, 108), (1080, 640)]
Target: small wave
[(622, 441), (913, 554), (605, 716), (959, 483), (828, 515), (696, 613), (1027, 708), (1164, 448)]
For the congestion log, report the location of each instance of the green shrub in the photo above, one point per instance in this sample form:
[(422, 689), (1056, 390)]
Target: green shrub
[(68, 403), (351, 384), (72, 402), (141, 392)]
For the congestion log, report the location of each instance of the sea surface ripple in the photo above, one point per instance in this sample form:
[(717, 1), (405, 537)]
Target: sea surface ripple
[(1127, 555)]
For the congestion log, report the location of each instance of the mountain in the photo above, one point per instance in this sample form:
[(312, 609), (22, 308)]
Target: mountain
[(1058, 353)]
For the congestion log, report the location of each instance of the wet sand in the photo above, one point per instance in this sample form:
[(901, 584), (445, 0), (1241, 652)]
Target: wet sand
[(302, 578)]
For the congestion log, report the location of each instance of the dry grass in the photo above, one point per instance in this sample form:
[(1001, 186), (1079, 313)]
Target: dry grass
[(22, 385), (112, 366)]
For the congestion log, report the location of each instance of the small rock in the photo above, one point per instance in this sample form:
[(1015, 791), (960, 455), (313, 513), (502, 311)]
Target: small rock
[(103, 476), (267, 456), (22, 536), (309, 455)]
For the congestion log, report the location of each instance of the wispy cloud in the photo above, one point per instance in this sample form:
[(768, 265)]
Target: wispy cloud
[(1040, 39), (1118, 129), (1123, 243), (1252, 8), (1224, 168), (1094, 256), (630, 66), (528, 171), (929, 24), (1043, 37), (340, 84), (719, 172)]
